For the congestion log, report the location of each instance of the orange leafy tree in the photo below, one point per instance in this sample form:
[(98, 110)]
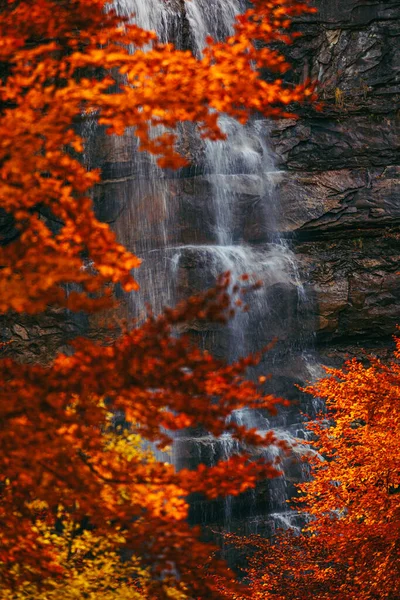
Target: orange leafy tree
[(286, 567), (350, 547), (62, 61)]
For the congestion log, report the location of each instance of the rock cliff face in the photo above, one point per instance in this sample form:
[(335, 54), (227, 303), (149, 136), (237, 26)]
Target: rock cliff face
[(339, 183)]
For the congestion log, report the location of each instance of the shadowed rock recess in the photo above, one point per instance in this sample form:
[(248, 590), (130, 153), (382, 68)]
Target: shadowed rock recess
[(310, 207)]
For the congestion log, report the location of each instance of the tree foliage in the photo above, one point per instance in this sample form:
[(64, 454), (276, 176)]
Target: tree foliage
[(61, 62), (354, 495), (350, 547), (56, 448), (88, 564)]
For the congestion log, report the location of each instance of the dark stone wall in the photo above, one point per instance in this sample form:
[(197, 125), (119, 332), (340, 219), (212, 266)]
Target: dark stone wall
[(339, 182)]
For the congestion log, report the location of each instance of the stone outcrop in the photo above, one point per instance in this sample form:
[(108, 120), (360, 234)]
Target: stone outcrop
[(339, 184)]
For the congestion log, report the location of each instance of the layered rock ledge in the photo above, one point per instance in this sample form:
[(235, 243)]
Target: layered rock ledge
[(339, 186)]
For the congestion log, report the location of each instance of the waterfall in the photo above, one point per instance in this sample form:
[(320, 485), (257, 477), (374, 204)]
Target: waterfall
[(151, 15), (189, 229)]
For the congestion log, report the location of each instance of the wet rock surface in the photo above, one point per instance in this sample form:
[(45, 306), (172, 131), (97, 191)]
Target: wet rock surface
[(355, 283), (339, 185), (38, 338)]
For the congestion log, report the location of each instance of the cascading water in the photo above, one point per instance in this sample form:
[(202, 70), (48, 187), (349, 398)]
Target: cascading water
[(213, 19), (151, 15), (189, 229)]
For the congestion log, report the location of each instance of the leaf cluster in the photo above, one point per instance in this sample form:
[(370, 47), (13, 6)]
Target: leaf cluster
[(350, 545)]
